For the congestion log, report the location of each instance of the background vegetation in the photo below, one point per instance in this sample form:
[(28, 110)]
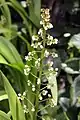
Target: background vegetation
[(29, 89)]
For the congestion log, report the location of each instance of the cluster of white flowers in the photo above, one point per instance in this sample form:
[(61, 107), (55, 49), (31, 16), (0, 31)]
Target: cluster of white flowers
[(45, 22), (36, 43), (30, 56), (38, 40), (54, 55), (51, 40), (22, 96)]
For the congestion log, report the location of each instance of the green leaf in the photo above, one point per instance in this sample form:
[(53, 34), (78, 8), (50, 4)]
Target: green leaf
[(3, 97), (6, 12), (34, 11), (4, 116), (37, 8), (14, 103), (9, 52), (2, 60), (75, 41)]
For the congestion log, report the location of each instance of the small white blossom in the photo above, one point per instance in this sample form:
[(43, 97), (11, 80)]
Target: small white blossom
[(26, 70), (56, 69), (50, 26), (33, 88), (38, 81), (19, 94), (50, 37), (40, 97), (40, 32), (49, 95), (41, 46), (26, 58), (41, 22), (24, 93), (46, 53), (55, 41), (44, 92), (24, 106), (33, 109), (29, 82), (35, 37), (24, 4)]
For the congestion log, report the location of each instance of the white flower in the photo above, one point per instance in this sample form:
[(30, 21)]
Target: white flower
[(26, 70), (49, 95), (24, 106), (56, 69), (33, 88), (55, 41), (46, 53), (44, 92), (24, 93), (26, 58), (35, 37), (50, 26), (24, 4), (32, 109), (40, 97), (19, 94), (40, 32), (41, 46), (38, 81), (50, 37), (29, 82), (41, 22)]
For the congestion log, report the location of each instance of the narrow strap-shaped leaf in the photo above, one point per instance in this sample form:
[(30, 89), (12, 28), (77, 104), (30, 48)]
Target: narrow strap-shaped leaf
[(14, 103), (9, 52)]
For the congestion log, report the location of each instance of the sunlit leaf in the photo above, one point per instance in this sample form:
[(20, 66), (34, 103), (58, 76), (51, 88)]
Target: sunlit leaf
[(9, 52)]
